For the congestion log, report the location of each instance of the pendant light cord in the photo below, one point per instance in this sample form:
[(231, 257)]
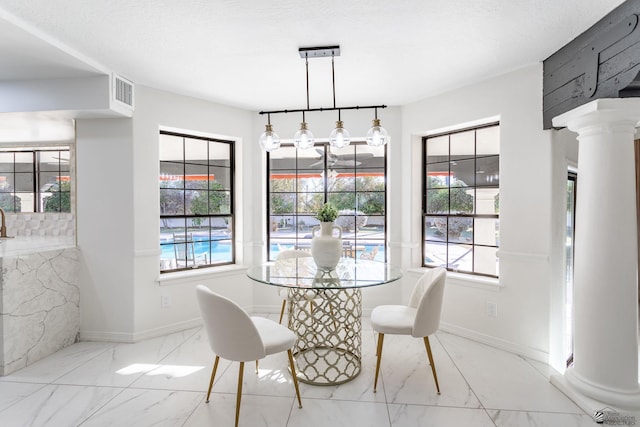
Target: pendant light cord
[(306, 62), (333, 78)]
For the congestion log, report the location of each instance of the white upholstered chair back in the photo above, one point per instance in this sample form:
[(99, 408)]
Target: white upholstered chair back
[(427, 298), (232, 334)]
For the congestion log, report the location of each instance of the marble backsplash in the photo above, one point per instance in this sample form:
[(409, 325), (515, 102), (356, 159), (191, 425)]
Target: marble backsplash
[(40, 224), (39, 306)]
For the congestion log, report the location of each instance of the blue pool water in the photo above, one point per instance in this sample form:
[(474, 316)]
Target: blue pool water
[(221, 250)]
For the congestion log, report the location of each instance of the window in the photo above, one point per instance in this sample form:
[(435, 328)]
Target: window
[(462, 200), (196, 202), (353, 179), (35, 179)]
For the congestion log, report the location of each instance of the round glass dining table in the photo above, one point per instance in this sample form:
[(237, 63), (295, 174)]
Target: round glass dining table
[(325, 311)]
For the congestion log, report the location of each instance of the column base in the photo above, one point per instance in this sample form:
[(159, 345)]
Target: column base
[(591, 398)]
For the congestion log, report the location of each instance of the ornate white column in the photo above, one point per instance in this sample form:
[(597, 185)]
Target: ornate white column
[(605, 270)]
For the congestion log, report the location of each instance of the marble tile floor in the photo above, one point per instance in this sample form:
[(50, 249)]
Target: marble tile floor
[(163, 382)]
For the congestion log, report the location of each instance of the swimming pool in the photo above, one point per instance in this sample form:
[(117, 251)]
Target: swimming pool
[(220, 250)]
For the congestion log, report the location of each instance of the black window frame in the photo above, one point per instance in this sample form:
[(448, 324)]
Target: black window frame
[(188, 241), (358, 245), (37, 174), (459, 216)]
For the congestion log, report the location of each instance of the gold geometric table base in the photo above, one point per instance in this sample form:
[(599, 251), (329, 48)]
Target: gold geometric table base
[(329, 330)]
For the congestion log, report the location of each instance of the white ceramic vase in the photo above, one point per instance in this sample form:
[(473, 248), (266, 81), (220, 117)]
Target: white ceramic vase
[(326, 248)]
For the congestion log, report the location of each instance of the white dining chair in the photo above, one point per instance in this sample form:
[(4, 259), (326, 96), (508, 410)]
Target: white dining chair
[(236, 336), (420, 318), (284, 292)]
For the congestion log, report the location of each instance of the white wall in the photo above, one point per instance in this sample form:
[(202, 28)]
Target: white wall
[(523, 297), (105, 227), (118, 224), (154, 110)]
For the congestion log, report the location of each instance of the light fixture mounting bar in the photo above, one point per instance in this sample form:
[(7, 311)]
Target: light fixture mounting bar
[(306, 110), (319, 51)]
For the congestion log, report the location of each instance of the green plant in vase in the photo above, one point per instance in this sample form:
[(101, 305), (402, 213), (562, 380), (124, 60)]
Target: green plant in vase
[(327, 213)]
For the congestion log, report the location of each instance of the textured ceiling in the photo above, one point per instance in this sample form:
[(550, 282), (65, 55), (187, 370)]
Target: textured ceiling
[(245, 53)]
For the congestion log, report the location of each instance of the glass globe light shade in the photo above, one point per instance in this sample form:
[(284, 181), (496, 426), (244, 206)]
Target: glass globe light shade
[(339, 137), (377, 135), (303, 139), (269, 140)]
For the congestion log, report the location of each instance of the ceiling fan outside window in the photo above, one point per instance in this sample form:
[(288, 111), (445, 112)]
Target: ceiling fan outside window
[(335, 159)]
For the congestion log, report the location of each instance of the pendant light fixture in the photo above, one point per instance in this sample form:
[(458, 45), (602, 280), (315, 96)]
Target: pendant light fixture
[(377, 135), (303, 139), (339, 137), (269, 140)]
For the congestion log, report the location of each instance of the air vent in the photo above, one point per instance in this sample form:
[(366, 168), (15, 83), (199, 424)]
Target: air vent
[(123, 91)]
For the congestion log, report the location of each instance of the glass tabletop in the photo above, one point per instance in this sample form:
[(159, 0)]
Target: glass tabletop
[(303, 273)]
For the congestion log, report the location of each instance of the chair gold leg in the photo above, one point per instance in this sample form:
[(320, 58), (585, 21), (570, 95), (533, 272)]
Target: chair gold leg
[(256, 366), (433, 366), (213, 375), (379, 353), (295, 378), (284, 304), (239, 396)]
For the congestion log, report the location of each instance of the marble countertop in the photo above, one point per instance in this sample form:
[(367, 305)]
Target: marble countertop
[(24, 245)]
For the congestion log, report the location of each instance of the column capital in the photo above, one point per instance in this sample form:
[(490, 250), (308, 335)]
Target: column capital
[(602, 113)]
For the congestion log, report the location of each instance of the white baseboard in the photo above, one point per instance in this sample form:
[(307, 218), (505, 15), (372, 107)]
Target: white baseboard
[(100, 336), (127, 337), (521, 350)]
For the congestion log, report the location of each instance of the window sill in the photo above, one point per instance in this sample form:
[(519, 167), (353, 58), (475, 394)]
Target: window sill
[(461, 279), (196, 275)]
